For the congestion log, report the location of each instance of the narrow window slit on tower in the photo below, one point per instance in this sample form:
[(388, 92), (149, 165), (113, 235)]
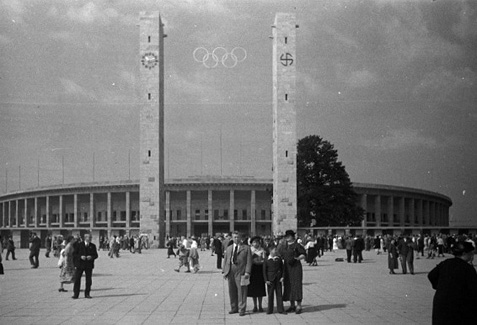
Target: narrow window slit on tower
[(286, 96), (286, 39), (149, 96), (286, 153), (149, 153), (149, 39)]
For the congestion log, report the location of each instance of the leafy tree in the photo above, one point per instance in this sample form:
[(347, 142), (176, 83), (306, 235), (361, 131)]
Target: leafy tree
[(325, 192)]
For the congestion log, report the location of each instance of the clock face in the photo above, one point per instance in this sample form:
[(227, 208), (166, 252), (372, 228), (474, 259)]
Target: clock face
[(149, 60)]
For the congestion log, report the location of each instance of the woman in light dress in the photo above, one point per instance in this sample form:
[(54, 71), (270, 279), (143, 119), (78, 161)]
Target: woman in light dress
[(67, 273)]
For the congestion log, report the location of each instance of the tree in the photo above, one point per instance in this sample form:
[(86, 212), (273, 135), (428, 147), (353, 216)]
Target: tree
[(325, 192)]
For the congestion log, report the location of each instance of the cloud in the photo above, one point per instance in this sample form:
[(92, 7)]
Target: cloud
[(361, 79), (72, 88), (90, 13), (467, 25), (4, 39), (401, 139), (199, 87), (14, 9), (443, 84)]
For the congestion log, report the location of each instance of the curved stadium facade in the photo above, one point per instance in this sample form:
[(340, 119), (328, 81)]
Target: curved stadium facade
[(205, 205)]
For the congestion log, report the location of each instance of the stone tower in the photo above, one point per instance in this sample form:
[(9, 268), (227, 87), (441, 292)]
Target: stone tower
[(151, 190), (284, 124)]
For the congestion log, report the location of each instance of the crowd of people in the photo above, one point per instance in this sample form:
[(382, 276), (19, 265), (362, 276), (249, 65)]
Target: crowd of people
[(256, 266)]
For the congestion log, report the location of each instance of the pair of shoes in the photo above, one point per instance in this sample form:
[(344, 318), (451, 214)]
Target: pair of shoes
[(292, 308), (255, 309), (87, 296), (188, 271), (260, 310), (75, 297), (242, 313), (34, 267), (269, 312), (283, 312), (233, 312), (62, 290), (176, 270), (298, 311)]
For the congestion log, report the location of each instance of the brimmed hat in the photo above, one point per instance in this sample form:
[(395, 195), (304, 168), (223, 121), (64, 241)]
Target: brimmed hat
[(460, 248), (290, 233), (256, 238)]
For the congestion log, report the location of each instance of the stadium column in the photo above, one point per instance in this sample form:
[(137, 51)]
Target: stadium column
[(253, 210), (17, 215), (412, 212), (128, 211), (75, 210), (232, 211), (109, 214), (61, 217), (91, 210), (402, 201), (427, 207), (390, 206), (188, 213), (377, 210), (364, 206), (47, 211), (168, 213), (420, 213), (2, 219), (36, 212), (210, 220), (284, 123)]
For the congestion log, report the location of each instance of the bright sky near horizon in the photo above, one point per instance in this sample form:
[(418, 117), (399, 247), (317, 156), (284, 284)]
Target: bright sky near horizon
[(392, 84)]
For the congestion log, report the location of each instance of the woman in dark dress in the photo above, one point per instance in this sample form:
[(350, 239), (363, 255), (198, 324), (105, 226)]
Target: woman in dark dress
[(455, 282), (392, 257), (256, 288), (292, 253)]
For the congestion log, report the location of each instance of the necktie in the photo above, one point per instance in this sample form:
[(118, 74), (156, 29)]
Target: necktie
[(234, 260)]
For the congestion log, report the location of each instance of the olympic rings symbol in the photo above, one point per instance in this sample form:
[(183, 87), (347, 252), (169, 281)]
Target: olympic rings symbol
[(219, 55)]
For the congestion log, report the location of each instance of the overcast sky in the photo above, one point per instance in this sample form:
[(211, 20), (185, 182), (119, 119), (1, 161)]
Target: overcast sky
[(392, 84)]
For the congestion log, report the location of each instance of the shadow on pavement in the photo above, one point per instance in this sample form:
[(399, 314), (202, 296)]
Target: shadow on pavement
[(101, 274), (310, 309), (120, 295)]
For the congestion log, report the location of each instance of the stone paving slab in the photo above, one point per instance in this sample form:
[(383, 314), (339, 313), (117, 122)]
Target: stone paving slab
[(144, 289)]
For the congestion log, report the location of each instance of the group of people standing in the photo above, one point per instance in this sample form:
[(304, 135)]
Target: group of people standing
[(249, 269)]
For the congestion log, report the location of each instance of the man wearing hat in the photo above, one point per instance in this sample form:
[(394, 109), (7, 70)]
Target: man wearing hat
[(292, 253), (455, 282)]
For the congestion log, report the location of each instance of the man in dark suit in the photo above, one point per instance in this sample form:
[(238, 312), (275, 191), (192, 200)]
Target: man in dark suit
[(358, 249), (406, 254), (84, 255), (218, 250), (35, 244), (237, 264)]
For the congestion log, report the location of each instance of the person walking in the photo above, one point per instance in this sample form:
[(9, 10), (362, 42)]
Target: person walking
[(170, 248), (256, 288), (66, 264), (292, 254), (455, 282), (406, 254), (218, 243), (10, 248), (358, 247), (311, 251), (48, 244), (194, 255), (35, 244), (392, 257), (349, 248), (237, 268), (83, 259)]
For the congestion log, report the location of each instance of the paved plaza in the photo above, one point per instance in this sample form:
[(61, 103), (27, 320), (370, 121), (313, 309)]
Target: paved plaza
[(144, 289)]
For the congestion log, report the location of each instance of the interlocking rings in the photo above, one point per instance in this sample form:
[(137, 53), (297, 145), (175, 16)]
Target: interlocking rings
[(219, 55)]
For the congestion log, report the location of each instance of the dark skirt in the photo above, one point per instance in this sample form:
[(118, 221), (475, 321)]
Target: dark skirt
[(293, 282), (311, 254), (256, 288)]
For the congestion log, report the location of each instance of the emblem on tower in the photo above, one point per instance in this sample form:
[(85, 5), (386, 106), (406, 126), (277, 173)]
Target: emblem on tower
[(149, 60)]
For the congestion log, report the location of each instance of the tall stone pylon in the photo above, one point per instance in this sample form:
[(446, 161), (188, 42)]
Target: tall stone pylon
[(284, 124), (151, 188)]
